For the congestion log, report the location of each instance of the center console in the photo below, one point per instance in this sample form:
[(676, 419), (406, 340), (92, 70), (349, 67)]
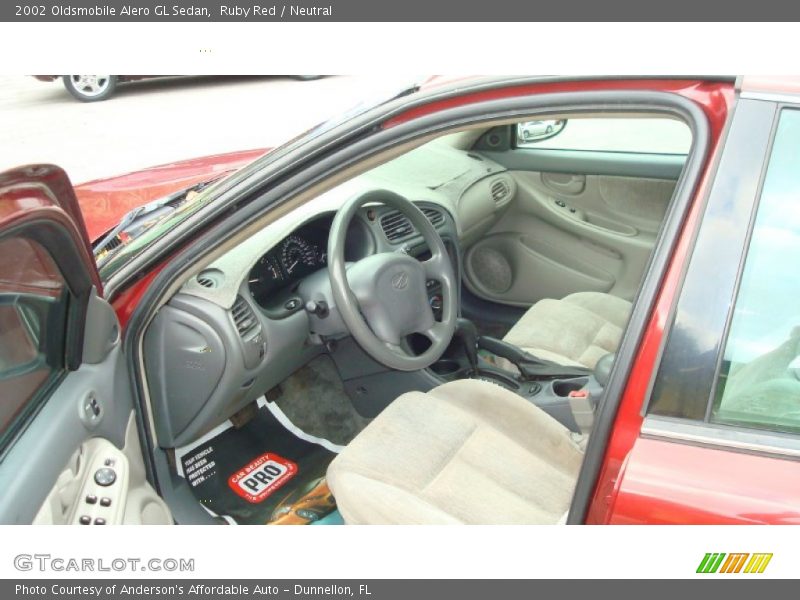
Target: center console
[(569, 394)]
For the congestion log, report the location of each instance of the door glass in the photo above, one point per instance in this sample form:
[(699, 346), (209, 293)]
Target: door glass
[(32, 316), (646, 135), (759, 382)]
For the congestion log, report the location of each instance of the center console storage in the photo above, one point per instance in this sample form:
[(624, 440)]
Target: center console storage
[(554, 397), (567, 393)]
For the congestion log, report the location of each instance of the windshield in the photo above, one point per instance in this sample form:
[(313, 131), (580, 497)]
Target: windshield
[(141, 219), (150, 229)]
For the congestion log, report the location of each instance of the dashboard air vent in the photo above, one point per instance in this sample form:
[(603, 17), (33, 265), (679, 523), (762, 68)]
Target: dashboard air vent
[(434, 216), (500, 191), (396, 225), (210, 278), (246, 322)]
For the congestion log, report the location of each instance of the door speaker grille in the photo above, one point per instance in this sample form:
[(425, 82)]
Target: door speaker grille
[(491, 269)]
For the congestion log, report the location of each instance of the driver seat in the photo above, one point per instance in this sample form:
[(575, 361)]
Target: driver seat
[(467, 452)]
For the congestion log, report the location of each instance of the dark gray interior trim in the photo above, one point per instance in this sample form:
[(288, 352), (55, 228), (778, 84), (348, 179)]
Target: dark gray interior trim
[(351, 151), (585, 162)]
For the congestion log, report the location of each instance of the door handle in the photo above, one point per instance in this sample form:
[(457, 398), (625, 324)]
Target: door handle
[(565, 183), (91, 410)]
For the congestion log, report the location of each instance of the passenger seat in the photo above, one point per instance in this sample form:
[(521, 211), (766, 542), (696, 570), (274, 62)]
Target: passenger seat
[(577, 330)]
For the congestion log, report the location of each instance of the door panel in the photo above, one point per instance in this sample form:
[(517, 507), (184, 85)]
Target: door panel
[(624, 164), (131, 501), (701, 485), (66, 404), (565, 233), (48, 471)]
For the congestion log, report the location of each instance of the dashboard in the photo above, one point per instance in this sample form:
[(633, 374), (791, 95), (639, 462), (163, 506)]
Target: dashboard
[(240, 326)]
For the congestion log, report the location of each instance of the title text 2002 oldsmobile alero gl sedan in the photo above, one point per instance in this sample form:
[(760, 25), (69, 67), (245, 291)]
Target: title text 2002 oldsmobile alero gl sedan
[(427, 312)]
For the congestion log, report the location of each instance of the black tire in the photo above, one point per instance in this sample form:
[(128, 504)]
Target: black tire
[(84, 91)]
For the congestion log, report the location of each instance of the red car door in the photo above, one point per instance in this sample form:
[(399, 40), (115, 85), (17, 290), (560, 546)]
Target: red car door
[(711, 432), (69, 449)]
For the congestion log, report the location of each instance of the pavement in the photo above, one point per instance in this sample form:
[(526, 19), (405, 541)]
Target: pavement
[(158, 121)]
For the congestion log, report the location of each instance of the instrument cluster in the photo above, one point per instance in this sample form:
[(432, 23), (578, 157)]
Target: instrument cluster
[(298, 255)]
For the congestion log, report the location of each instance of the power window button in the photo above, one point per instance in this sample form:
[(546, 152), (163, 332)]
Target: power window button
[(105, 501)]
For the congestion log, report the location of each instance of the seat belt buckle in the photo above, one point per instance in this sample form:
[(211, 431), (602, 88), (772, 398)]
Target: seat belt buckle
[(582, 407)]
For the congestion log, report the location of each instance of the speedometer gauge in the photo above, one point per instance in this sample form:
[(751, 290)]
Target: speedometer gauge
[(298, 256), (265, 277)]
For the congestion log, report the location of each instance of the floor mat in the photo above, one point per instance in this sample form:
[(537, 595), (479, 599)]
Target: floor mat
[(261, 473), (315, 401)]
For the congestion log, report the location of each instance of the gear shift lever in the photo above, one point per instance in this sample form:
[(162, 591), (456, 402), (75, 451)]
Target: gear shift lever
[(467, 335)]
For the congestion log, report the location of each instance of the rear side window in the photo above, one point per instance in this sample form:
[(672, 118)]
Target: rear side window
[(33, 305), (645, 135), (759, 380)]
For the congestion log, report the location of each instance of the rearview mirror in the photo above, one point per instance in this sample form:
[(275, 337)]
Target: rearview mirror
[(531, 132)]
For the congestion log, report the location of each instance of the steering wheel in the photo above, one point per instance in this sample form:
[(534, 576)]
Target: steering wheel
[(389, 290)]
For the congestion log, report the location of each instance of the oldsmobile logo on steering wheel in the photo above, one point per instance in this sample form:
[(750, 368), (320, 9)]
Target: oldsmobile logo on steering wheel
[(400, 280)]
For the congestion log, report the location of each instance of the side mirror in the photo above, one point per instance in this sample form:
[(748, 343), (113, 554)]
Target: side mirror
[(22, 325), (531, 132)]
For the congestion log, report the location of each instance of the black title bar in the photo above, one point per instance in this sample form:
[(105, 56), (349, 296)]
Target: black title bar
[(402, 11), (389, 589)]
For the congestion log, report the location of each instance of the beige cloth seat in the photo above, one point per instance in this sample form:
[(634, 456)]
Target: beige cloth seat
[(466, 452), (577, 330)]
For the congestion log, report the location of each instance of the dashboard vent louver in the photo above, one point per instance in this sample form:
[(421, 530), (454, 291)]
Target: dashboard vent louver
[(396, 225), (434, 216), (244, 318), (206, 282), (500, 191)]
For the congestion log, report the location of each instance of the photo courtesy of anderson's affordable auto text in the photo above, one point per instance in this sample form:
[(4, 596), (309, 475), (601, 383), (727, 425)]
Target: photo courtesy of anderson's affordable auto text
[(457, 331)]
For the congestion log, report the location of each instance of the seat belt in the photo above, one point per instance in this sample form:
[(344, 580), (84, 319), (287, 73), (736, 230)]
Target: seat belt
[(582, 407)]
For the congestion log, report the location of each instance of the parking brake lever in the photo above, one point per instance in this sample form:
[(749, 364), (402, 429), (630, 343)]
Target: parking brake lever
[(467, 334), (529, 366)]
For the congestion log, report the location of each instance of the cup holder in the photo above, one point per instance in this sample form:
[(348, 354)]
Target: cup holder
[(445, 366), (563, 387)]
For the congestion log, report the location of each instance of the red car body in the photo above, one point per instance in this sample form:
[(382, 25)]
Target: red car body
[(641, 480), (105, 201)]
